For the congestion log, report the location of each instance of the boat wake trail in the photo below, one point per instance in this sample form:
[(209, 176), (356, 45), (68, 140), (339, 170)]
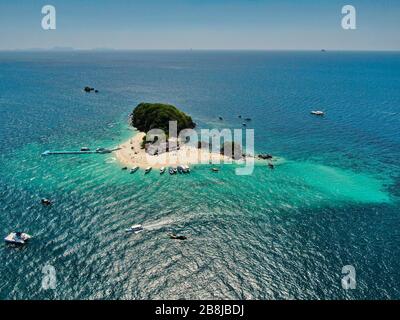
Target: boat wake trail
[(159, 225)]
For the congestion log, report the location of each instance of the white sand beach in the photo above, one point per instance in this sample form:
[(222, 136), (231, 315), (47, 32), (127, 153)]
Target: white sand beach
[(131, 154)]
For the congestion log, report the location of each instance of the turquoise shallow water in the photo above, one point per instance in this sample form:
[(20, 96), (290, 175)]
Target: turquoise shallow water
[(285, 233)]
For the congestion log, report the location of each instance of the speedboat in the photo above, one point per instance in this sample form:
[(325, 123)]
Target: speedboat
[(180, 169), (85, 149), (147, 170), (103, 150), (171, 171), (215, 169), (175, 170), (186, 169), (177, 237), (46, 202), (137, 228), (318, 113), (162, 170), (17, 238), (134, 169)]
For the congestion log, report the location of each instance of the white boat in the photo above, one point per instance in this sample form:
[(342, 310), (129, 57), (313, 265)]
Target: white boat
[(162, 170), (85, 149), (46, 202), (17, 238), (137, 228), (147, 170), (186, 169), (134, 169), (318, 113), (103, 150)]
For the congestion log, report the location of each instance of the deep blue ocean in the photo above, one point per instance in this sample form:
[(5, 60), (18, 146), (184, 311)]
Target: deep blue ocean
[(275, 234)]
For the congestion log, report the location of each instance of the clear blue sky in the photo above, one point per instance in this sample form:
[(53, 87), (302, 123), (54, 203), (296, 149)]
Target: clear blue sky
[(201, 24)]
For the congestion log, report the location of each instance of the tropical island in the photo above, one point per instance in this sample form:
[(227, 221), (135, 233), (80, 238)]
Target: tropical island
[(139, 152)]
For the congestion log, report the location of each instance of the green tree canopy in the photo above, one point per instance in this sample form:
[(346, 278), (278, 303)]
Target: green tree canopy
[(147, 116)]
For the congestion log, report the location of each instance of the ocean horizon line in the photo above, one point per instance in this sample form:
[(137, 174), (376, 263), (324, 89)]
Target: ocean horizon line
[(194, 49)]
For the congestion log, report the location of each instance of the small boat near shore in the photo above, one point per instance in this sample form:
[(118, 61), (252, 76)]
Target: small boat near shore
[(103, 150), (162, 170), (147, 170), (19, 238), (271, 165), (265, 156), (215, 169), (171, 171), (137, 228), (134, 169)]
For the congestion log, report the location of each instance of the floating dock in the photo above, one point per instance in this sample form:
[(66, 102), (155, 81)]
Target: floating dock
[(98, 151)]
